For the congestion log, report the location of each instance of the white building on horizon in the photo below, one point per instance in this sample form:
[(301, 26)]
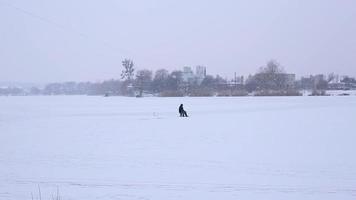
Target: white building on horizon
[(189, 76)]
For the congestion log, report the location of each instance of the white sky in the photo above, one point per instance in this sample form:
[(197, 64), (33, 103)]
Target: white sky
[(85, 40)]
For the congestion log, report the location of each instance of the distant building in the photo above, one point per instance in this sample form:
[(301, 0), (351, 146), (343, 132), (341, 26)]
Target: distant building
[(306, 83), (200, 73), (237, 80), (188, 75), (318, 78), (290, 80), (311, 81)]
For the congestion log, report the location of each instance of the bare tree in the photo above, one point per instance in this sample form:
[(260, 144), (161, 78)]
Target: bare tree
[(331, 77), (271, 77), (128, 71), (251, 83), (272, 67), (174, 80), (160, 80), (143, 80)]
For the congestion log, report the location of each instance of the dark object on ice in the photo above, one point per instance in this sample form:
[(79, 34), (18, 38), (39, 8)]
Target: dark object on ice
[(344, 94), (182, 112)]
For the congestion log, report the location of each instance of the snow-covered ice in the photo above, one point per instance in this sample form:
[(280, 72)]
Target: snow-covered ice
[(138, 148)]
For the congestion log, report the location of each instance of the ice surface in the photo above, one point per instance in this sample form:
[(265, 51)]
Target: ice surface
[(138, 148)]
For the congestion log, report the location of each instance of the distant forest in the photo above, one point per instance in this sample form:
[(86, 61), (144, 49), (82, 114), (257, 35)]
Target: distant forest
[(269, 80)]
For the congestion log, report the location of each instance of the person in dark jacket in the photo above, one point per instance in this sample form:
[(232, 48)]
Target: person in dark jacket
[(182, 112)]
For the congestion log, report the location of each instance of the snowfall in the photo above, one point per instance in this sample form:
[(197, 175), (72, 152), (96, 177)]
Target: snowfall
[(87, 147)]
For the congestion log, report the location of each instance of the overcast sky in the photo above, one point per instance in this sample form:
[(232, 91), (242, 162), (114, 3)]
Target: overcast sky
[(85, 40)]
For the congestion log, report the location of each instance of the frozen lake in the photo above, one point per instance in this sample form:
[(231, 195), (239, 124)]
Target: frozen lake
[(138, 148)]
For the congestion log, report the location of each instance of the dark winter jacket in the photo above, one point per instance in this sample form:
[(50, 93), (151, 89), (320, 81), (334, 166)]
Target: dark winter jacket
[(181, 109)]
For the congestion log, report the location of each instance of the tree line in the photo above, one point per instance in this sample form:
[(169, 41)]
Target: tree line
[(269, 80)]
